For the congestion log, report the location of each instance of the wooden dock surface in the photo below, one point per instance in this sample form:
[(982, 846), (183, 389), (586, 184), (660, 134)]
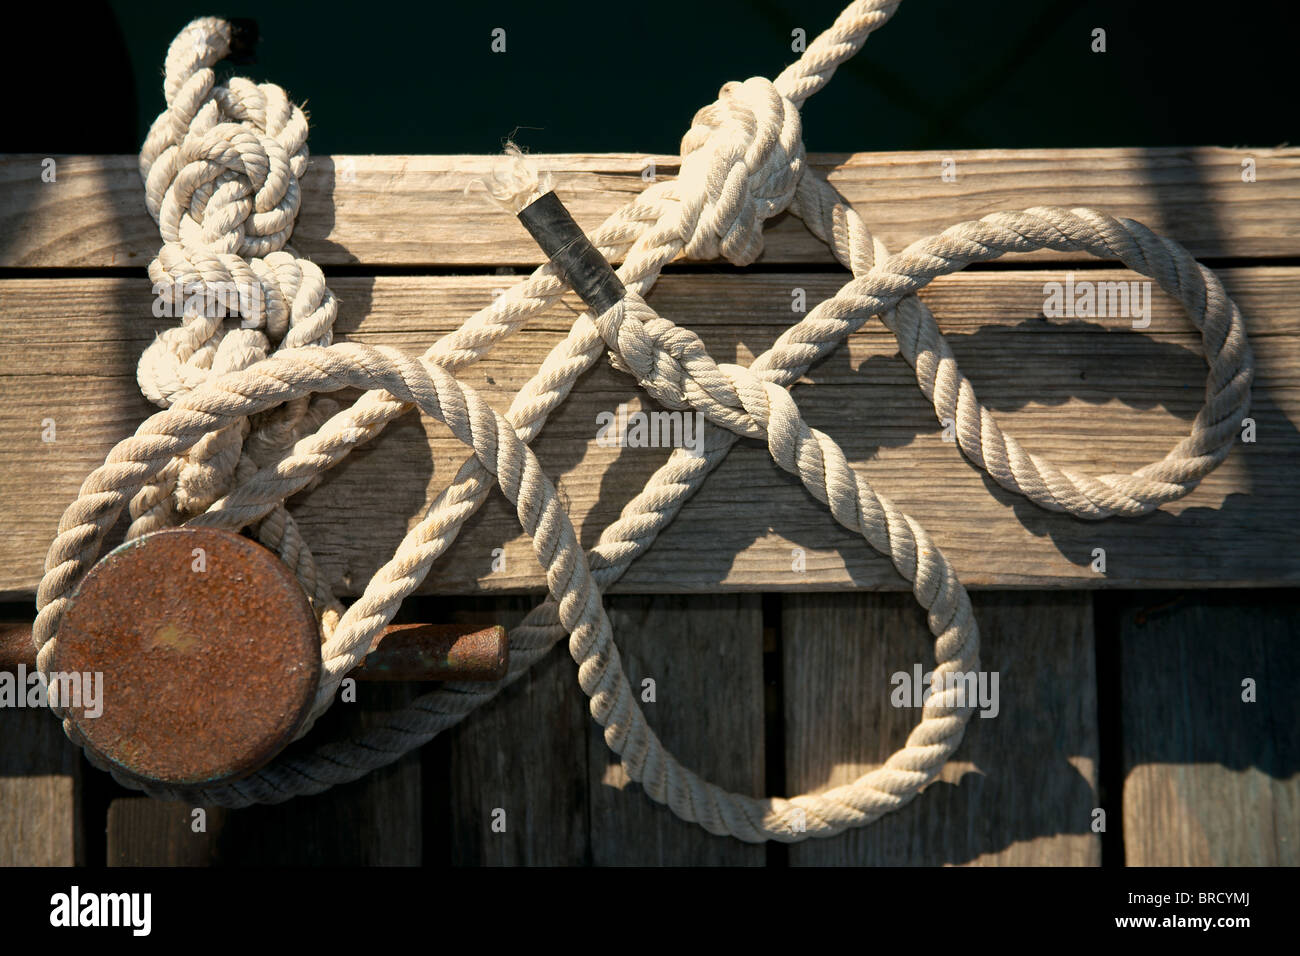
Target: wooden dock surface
[(1123, 735)]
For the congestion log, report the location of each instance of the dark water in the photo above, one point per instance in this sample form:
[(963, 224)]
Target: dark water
[(627, 76)]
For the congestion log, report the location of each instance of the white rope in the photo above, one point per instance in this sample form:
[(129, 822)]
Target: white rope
[(221, 167)]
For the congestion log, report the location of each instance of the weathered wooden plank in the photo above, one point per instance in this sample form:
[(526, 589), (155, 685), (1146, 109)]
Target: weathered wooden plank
[(705, 657), (40, 787), (413, 210), (1209, 778), (1022, 788), (1093, 395), (518, 767), (147, 832), (375, 821)]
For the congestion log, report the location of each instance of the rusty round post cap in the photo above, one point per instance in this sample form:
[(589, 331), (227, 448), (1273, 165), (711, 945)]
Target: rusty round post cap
[(209, 654)]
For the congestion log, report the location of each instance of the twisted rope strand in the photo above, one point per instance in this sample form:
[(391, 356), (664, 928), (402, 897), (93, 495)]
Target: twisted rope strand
[(673, 365)]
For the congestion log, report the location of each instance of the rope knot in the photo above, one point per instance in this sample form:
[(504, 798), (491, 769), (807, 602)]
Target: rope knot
[(741, 161), (222, 166)]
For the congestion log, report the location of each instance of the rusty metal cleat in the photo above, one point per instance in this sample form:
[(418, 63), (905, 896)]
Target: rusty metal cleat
[(206, 653)]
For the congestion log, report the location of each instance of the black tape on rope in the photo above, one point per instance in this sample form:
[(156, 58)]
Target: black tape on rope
[(585, 270)]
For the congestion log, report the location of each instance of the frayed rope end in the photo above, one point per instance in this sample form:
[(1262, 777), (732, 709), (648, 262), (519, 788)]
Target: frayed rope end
[(516, 181)]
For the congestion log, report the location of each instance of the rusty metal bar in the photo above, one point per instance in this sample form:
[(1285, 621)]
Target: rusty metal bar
[(435, 652), (400, 652), (16, 646)]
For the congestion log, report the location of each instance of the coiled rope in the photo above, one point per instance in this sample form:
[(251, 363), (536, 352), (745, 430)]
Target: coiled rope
[(246, 426)]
